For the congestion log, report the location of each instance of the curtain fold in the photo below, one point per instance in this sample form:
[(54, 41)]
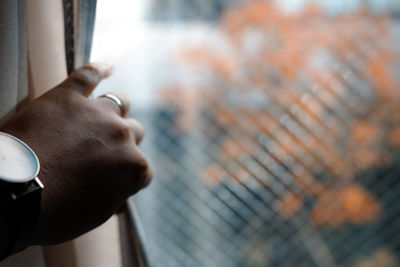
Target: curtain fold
[(79, 19), (9, 57)]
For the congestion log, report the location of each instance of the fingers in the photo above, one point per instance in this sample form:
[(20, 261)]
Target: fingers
[(86, 78), (147, 177), (140, 169), (111, 101), (145, 169), (125, 131), (137, 130), (141, 173), (107, 101)]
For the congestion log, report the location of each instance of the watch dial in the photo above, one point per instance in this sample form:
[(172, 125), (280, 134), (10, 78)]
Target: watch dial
[(18, 163)]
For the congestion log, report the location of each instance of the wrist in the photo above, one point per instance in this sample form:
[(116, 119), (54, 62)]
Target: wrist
[(20, 194)]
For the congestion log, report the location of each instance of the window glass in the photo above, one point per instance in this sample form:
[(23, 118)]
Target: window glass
[(272, 127)]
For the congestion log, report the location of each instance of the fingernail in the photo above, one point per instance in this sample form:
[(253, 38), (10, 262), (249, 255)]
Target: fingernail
[(105, 68)]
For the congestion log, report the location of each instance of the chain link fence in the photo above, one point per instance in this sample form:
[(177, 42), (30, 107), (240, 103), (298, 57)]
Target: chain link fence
[(275, 136)]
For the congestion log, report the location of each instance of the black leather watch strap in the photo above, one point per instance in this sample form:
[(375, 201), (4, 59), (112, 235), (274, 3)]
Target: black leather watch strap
[(26, 209)]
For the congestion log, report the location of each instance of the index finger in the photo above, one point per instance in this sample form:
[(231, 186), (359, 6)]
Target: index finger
[(86, 78)]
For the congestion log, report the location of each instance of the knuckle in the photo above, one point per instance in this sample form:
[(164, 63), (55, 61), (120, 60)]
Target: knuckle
[(90, 67), (137, 128), (121, 132), (86, 77), (70, 98), (141, 165), (139, 169), (140, 129)]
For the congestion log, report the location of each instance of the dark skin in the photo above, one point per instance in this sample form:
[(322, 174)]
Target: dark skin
[(89, 155)]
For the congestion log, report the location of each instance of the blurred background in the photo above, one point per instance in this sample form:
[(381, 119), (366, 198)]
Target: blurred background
[(272, 127)]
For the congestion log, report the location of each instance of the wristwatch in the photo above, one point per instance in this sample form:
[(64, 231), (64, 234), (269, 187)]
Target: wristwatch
[(20, 190)]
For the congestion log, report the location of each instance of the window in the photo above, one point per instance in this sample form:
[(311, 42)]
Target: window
[(273, 128)]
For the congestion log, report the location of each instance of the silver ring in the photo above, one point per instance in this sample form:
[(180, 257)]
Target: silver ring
[(115, 99)]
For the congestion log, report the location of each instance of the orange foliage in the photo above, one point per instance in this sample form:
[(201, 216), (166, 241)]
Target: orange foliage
[(234, 148), (351, 203), (289, 79), (364, 132), (291, 204), (394, 136), (212, 174), (368, 157)]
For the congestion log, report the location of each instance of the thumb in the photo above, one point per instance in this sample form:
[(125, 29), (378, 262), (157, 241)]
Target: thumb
[(86, 78)]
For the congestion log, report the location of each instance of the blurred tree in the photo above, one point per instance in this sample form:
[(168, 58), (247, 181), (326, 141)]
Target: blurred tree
[(311, 100)]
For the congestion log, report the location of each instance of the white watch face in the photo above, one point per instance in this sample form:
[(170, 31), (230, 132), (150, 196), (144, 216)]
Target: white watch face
[(18, 163)]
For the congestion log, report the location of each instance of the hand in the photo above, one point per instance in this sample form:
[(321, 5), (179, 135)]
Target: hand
[(89, 155)]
